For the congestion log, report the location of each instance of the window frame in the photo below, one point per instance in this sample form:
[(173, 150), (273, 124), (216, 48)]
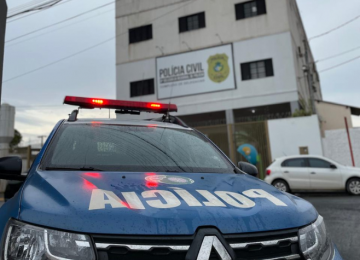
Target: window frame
[(246, 73), (184, 22), (146, 29), (319, 159), (291, 159), (142, 81), (240, 9)]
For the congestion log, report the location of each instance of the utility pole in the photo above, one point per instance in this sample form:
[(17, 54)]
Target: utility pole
[(3, 14), (42, 139), (307, 71)]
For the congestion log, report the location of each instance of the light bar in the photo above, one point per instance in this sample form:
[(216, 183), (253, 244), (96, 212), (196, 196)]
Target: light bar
[(153, 107)]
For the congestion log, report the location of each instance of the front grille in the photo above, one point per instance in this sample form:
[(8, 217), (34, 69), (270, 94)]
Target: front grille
[(142, 247), (282, 245)]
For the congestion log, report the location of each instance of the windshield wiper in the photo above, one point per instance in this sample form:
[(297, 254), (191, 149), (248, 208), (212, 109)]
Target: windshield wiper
[(72, 169)]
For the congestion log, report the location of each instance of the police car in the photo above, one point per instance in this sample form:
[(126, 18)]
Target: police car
[(151, 189)]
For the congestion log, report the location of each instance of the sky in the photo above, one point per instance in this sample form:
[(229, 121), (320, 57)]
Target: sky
[(38, 96)]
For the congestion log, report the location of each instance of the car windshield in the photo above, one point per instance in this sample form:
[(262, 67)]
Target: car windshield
[(133, 149)]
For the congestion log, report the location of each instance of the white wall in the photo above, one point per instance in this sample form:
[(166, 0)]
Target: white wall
[(280, 88), (298, 36), (278, 47), (336, 146), (7, 121), (220, 19), (333, 115), (287, 135)]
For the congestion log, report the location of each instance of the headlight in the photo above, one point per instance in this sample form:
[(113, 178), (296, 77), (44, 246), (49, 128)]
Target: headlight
[(27, 242), (314, 241)]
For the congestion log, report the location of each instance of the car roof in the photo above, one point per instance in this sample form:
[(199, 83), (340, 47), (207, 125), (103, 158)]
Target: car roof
[(110, 121), (300, 156)]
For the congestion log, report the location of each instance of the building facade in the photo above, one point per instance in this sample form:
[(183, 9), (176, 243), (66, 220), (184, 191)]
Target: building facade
[(222, 62), (7, 122), (264, 42), (332, 115)]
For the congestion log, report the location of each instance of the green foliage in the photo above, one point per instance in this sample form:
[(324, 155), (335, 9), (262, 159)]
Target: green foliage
[(16, 140), (306, 109), (301, 112)]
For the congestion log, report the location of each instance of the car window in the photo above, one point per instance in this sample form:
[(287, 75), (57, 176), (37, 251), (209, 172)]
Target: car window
[(300, 162), (318, 163), (133, 149)]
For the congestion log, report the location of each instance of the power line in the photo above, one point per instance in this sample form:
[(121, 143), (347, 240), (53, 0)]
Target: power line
[(40, 7), (34, 12), (338, 65), (13, 20), (51, 25), (334, 29), (33, 7), (57, 61), (25, 6), (57, 29), (337, 55), (91, 47)]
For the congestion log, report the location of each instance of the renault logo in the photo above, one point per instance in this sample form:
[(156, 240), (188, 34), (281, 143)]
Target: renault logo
[(208, 244), (207, 240)]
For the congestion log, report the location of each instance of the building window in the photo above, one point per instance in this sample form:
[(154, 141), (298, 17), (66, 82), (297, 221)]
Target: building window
[(140, 34), (257, 69), (192, 22), (250, 9), (142, 88)]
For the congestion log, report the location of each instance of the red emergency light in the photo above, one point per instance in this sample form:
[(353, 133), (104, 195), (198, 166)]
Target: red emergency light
[(83, 102)]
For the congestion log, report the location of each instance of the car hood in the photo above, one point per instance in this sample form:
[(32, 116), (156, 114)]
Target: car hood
[(151, 204)]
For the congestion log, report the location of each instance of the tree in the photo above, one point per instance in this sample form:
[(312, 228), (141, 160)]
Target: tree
[(16, 140)]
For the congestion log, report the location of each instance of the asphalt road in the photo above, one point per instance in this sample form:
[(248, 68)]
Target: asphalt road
[(342, 218)]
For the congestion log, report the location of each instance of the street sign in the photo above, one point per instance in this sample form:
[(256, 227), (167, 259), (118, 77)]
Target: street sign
[(196, 72)]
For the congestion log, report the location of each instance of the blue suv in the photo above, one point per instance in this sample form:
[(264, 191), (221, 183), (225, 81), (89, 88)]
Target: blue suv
[(151, 189)]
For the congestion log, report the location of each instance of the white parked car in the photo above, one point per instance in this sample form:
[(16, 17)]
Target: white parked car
[(312, 173)]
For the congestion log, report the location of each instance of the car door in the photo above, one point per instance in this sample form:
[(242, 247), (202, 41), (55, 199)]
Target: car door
[(296, 173), (323, 176)]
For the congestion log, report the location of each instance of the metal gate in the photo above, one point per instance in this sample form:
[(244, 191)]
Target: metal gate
[(247, 141)]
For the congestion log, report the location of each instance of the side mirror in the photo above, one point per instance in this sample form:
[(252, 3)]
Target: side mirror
[(10, 168), (248, 168), (333, 166)]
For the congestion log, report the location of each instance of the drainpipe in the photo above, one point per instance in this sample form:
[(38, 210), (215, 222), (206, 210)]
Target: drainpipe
[(349, 139)]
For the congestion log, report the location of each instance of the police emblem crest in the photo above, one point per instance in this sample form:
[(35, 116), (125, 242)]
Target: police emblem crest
[(219, 68)]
